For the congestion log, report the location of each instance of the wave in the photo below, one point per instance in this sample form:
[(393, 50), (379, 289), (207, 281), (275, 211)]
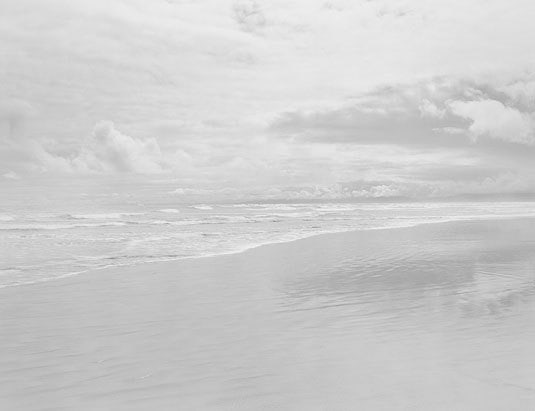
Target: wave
[(217, 219), (6, 217), (121, 260), (282, 207), (167, 222), (230, 243), (102, 216), (30, 227), (202, 207)]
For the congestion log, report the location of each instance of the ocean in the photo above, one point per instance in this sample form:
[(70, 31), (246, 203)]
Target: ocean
[(43, 242)]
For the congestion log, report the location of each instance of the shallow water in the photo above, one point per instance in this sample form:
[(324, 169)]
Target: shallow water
[(40, 242), (432, 317)]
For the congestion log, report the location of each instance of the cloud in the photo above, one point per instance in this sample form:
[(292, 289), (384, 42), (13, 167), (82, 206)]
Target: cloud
[(109, 150), (105, 150), (504, 182), (406, 115), (491, 118), (349, 90), (11, 175), (427, 108), (433, 113), (399, 140), (249, 15)]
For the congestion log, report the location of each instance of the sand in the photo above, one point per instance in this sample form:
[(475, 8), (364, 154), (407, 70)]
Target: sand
[(440, 316)]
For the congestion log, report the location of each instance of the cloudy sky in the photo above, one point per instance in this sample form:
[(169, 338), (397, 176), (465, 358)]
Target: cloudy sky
[(280, 98)]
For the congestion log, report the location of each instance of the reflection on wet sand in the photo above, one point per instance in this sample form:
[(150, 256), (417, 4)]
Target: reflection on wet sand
[(432, 317)]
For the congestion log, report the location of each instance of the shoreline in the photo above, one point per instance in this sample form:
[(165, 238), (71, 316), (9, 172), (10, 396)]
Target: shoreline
[(252, 247)]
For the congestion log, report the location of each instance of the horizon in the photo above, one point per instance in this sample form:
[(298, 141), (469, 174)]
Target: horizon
[(83, 188)]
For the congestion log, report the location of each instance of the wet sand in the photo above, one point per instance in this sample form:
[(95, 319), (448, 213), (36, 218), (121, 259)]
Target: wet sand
[(439, 316)]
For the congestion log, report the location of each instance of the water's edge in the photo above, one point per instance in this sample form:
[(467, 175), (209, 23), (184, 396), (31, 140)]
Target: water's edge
[(267, 244)]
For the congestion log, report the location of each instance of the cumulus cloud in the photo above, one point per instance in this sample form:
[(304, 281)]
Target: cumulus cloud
[(427, 108), (107, 149), (494, 119), (520, 91), (338, 191), (500, 183), (439, 113), (407, 115)]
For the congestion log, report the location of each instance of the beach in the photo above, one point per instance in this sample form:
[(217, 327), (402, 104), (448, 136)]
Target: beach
[(437, 316)]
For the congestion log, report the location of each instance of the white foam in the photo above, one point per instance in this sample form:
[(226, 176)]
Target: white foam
[(102, 216), (177, 223), (147, 242), (202, 207), (54, 226)]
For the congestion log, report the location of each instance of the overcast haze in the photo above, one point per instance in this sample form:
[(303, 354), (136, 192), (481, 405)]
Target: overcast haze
[(267, 205), (290, 99)]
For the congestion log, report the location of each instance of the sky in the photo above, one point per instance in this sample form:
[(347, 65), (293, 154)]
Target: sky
[(293, 99)]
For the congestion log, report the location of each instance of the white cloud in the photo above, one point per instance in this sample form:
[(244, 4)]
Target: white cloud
[(11, 175), (428, 108), (106, 150), (491, 118), (109, 150)]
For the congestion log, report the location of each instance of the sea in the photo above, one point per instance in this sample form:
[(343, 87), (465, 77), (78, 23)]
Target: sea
[(46, 241)]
